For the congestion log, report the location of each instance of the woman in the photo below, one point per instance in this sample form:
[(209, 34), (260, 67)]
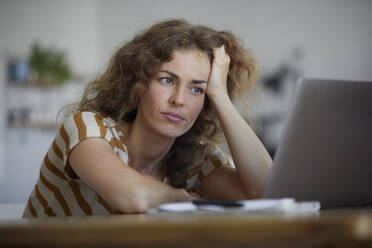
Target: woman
[(145, 131)]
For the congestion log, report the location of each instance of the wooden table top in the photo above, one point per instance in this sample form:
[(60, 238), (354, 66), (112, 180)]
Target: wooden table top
[(328, 228)]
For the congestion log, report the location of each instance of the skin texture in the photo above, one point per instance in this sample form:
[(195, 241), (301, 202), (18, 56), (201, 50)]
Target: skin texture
[(168, 109)]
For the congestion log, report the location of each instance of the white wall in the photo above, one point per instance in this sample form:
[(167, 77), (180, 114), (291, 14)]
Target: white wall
[(68, 25), (335, 34)]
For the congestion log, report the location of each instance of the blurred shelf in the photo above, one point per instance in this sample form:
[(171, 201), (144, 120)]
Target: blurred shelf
[(38, 126), (32, 106), (10, 83)]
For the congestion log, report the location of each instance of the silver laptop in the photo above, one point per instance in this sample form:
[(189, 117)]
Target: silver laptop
[(325, 152)]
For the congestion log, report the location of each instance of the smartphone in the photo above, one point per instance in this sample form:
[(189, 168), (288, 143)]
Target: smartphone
[(218, 203)]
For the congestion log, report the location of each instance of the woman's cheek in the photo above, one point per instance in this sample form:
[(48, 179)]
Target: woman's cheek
[(198, 107)]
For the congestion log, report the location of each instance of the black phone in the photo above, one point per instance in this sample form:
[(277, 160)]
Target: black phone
[(218, 203)]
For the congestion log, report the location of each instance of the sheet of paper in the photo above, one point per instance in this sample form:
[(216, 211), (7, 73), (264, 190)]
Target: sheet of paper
[(285, 205)]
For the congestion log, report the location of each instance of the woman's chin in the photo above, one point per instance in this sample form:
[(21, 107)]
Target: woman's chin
[(172, 133)]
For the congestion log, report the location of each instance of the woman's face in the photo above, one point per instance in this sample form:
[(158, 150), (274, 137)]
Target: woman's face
[(175, 96)]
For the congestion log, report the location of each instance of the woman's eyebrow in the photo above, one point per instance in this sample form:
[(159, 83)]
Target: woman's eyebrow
[(199, 81), (170, 73), (176, 76)]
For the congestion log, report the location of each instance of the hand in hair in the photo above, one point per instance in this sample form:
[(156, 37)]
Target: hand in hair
[(217, 85)]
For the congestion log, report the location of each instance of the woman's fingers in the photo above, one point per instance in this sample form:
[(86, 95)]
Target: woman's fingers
[(220, 56), (219, 71)]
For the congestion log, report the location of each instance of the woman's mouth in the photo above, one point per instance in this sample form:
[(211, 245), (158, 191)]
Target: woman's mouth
[(174, 117)]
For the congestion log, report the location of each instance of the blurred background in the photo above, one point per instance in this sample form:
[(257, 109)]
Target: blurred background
[(50, 49)]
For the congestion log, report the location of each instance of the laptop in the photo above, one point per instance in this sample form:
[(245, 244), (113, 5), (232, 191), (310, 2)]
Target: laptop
[(325, 152)]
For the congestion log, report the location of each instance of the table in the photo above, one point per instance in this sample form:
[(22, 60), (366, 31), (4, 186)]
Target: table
[(328, 228)]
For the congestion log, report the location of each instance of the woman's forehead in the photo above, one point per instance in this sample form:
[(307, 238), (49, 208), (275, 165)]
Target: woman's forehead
[(189, 60)]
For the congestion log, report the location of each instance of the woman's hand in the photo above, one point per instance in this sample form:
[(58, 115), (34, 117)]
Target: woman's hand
[(218, 78)]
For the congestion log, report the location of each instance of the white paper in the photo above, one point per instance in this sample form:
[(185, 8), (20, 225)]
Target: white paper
[(178, 207), (284, 205)]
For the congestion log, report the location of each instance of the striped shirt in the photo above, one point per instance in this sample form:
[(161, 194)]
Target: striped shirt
[(60, 192)]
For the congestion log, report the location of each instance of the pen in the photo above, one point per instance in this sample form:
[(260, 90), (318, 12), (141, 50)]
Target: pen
[(218, 203)]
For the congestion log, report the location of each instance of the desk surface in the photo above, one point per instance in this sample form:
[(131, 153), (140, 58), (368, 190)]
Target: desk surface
[(329, 228)]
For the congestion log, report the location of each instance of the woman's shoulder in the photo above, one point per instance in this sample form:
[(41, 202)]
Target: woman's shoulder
[(218, 155), (82, 125), (89, 118), (213, 156), (216, 150)]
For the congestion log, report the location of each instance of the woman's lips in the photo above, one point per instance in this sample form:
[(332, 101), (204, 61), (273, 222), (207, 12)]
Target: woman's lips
[(174, 117)]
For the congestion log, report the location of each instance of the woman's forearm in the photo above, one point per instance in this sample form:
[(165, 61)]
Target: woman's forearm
[(150, 192), (252, 161), (133, 192)]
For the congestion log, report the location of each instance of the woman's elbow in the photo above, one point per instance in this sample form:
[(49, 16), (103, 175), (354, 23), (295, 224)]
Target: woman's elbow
[(129, 205)]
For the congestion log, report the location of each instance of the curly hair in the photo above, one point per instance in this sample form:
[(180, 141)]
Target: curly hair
[(117, 92)]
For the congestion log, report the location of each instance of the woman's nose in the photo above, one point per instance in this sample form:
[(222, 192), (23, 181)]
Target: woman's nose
[(177, 98)]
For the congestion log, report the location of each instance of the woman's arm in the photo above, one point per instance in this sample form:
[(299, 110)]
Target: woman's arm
[(252, 161), (122, 187)]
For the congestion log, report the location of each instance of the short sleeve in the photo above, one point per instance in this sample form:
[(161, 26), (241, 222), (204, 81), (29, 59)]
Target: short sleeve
[(212, 159), (80, 126)]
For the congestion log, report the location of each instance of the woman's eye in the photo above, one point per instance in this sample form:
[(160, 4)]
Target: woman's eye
[(197, 90), (166, 80)]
